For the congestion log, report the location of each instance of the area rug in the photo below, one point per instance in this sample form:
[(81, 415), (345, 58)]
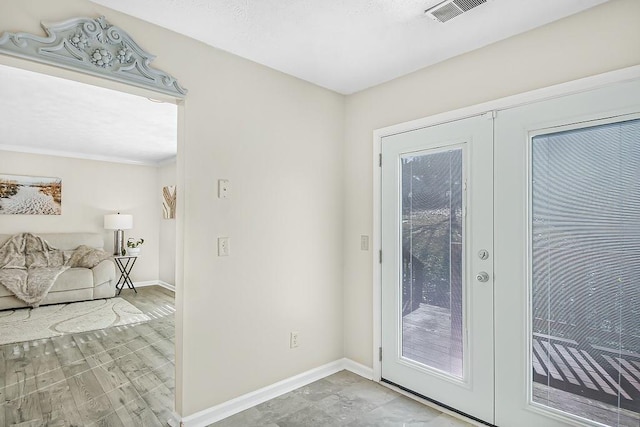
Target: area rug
[(27, 324)]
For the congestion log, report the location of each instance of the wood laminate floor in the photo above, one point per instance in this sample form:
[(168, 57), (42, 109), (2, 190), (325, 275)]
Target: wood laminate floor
[(124, 376), (120, 376)]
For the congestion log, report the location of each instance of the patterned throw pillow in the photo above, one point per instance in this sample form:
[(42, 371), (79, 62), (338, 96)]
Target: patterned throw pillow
[(87, 257)]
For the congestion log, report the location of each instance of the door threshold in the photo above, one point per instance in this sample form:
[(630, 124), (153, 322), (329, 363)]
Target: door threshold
[(435, 404)]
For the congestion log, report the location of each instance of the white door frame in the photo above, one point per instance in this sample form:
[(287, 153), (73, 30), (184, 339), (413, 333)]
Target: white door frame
[(563, 89)]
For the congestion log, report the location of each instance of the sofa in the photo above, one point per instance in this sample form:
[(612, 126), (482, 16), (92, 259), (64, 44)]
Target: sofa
[(74, 284)]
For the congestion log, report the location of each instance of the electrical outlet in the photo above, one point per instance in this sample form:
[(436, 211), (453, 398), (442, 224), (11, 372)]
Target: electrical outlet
[(223, 246), (294, 340)]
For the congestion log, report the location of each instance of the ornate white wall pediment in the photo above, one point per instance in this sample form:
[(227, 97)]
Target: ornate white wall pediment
[(92, 46)]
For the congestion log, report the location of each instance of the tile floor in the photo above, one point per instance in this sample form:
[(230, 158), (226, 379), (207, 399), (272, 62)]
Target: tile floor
[(342, 399)]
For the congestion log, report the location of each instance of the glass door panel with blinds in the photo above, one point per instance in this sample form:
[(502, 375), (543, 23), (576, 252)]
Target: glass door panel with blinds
[(585, 260), (567, 244)]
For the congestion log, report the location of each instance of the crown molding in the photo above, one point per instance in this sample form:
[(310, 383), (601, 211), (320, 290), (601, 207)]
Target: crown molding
[(165, 162), (78, 155)]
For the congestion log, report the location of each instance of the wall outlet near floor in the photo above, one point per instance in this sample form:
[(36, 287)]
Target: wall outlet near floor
[(293, 340), (223, 246)]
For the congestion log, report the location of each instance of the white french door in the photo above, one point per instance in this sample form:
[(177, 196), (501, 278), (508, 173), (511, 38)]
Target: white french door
[(437, 263), (567, 260), (550, 335)]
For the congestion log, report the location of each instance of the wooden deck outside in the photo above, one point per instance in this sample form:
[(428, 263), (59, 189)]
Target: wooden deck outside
[(601, 382), (428, 338), (589, 381)]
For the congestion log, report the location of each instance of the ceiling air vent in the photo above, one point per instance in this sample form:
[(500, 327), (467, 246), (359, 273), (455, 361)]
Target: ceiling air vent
[(449, 9)]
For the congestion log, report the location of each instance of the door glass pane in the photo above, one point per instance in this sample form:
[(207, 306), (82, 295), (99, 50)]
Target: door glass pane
[(586, 272), (432, 230)]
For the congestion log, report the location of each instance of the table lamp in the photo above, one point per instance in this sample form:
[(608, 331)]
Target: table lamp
[(118, 223)]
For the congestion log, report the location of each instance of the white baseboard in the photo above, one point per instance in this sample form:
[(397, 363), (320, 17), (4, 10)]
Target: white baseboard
[(239, 404), (167, 285), (153, 283), (358, 369)]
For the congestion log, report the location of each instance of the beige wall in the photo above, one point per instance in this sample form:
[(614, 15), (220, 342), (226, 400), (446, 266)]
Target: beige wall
[(598, 40), (167, 248), (91, 189), (279, 141)]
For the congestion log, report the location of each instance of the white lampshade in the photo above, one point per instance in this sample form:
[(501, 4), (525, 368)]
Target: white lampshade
[(118, 222)]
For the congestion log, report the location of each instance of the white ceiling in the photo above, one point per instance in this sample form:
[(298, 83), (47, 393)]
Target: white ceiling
[(51, 115), (345, 45)]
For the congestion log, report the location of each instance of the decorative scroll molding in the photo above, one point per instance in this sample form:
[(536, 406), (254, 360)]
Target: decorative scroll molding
[(92, 46)]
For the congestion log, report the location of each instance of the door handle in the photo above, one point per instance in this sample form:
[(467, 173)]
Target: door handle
[(483, 276)]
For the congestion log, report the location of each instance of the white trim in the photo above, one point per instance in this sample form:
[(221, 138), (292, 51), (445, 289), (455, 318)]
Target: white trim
[(249, 400), (167, 285), (357, 368), (168, 161), (555, 91), (84, 156), (377, 264), (154, 283)]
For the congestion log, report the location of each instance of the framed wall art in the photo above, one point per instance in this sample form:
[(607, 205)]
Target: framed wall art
[(30, 195), (169, 202)]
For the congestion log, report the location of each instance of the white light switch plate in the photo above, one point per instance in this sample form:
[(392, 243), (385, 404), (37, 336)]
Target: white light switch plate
[(223, 246), (224, 189), (364, 243)]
